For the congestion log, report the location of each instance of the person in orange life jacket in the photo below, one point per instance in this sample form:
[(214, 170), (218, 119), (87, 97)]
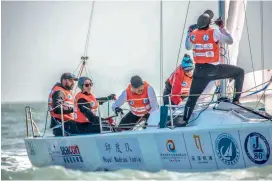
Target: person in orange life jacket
[(86, 106), (61, 93), (141, 98), (205, 44), (179, 82)]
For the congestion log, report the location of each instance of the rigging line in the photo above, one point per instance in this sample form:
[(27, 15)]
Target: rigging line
[(182, 35), (161, 51), (256, 86), (262, 96), (262, 42), (88, 71), (249, 44), (89, 30), (78, 66)]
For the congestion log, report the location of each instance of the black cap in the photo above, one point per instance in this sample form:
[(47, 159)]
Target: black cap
[(136, 81), (68, 76), (210, 13), (203, 20)]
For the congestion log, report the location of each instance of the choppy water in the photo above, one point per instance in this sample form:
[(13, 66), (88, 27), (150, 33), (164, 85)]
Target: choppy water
[(16, 165)]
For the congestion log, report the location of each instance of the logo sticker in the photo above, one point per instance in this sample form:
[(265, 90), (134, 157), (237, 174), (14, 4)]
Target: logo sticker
[(257, 148), (69, 96), (184, 84), (31, 148), (198, 143), (131, 102), (206, 37), (170, 146), (193, 37), (145, 100), (227, 149), (210, 54), (92, 104)]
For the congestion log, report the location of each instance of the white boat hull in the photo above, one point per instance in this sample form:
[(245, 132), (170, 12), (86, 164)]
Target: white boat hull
[(216, 140)]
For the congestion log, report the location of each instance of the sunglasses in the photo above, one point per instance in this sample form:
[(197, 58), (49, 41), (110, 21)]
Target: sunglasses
[(87, 85), (187, 71)]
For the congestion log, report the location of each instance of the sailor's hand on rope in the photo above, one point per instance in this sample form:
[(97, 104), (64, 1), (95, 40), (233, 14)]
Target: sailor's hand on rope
[(112, 97), (219, 22), (110, 121), (217, 90), (118, 110), (192, 28)]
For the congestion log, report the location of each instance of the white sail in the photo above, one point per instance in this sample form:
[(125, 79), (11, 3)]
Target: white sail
[(251, 37), (258, 15), (235, 23)]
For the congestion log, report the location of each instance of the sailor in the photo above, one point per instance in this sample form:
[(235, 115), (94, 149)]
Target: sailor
[(204, 41), (179, 82), (61, 94), (141, 98), (86, 106)]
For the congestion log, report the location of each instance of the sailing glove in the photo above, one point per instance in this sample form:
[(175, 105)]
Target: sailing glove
[(219, 22), (112, 97), (192, 28), (118, 110)]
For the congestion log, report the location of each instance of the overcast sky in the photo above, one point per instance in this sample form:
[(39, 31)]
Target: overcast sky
[(41, 40)]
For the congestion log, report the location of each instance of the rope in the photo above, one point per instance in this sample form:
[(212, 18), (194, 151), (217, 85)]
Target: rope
[(161, 51), (77, 67), (264, 89), (89, 30), (262, 42), (249, 44), (182, 38), (84, 58)]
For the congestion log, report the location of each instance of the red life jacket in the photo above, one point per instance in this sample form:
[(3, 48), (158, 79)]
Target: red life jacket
[(79, 116), (68, 101), (141, 105), (205, 49)]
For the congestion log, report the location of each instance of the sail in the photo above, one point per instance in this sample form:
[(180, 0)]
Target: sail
[(247, 23), (258, 14), (234, 23)]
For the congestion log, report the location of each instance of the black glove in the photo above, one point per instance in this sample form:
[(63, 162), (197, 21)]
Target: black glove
[(219, 22), (192, 28), (118, 110), (112, 97)]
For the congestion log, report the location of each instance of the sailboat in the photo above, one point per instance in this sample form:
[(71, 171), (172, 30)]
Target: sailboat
[(217, 125)]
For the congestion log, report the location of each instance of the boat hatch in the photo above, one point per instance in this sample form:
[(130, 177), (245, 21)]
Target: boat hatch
[(247, 115)]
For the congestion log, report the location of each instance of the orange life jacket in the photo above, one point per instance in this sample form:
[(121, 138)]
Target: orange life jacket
[(205, 49), (141, 105), (68, 101), (79, 116), (185, 80)]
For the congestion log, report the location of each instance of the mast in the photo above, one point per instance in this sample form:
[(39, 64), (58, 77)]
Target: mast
[(223, 83)]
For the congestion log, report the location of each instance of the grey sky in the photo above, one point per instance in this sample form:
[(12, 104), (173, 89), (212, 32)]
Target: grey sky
[(41, 40)]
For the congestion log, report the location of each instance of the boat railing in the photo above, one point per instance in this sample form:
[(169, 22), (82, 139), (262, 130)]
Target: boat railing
[(103, 124), (29, 118)]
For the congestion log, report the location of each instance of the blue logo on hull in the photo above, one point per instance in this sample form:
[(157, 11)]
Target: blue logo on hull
[(227, 149), (257, 148)]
